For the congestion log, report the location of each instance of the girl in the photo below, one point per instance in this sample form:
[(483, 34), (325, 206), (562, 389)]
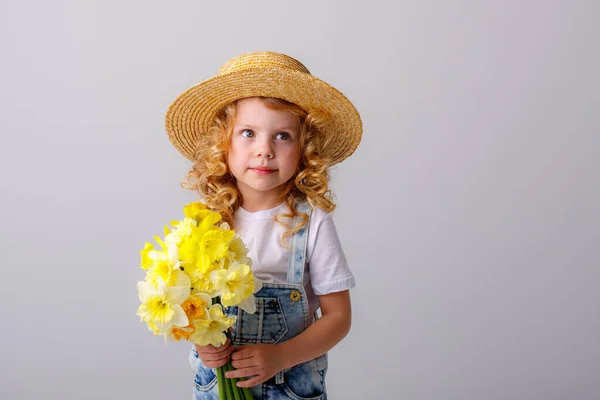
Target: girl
[(262, 135)]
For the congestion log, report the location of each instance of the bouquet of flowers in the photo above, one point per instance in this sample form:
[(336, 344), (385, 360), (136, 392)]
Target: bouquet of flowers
[(201, 267)]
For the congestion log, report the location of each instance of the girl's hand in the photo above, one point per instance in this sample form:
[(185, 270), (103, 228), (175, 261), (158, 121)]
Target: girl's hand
[(215, 357), (257, 361)]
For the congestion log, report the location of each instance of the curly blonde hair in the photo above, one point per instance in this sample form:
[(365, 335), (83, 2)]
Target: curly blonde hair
[(210, 174)]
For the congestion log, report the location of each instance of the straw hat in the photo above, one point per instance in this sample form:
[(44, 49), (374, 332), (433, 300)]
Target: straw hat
[(265, 74)]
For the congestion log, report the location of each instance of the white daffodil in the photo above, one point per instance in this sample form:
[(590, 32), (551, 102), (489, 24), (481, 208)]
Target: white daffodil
[(161, 306)]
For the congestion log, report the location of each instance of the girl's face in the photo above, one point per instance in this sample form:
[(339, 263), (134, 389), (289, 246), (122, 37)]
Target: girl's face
[(264, 152)]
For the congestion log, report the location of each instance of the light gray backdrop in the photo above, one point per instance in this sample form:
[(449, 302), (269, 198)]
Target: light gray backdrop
[(469, 214)]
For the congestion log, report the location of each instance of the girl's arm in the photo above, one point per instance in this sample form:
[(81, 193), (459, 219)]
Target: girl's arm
[(323, 334), (260, 362)]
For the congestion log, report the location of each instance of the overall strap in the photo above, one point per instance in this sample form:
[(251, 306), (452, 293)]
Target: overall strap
[(295, 273), (298, 251)]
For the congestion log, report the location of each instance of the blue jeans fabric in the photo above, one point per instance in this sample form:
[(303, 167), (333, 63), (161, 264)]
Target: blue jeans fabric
[(282, 313)]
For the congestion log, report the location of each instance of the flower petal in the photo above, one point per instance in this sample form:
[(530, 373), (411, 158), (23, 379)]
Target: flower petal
[(145, 289), (161, 286), (248, 305), (215, 312), (179, 319), (206, 299), (181, 279), (177, 294), (258, 284), (173, 253)]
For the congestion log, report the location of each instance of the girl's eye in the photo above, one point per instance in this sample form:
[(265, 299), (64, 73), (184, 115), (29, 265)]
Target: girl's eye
[(247, 133), (283, 136)]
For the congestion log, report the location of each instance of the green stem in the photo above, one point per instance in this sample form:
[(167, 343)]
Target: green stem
[(233, 382), (245, 392), (221, 382), (228, 389)]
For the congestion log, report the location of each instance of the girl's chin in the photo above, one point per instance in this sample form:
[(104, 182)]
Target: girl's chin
[(257, 187)]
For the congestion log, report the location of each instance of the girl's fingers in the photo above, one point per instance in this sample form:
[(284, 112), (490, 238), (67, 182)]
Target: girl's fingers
[(224, 350), (215, 364), (241, 353), (245, 363), (243, 372), (216, 360), (251, 382), (221, 347), (212, 349), (214, 357)]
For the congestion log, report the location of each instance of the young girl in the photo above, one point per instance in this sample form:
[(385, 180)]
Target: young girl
[(262, 135)]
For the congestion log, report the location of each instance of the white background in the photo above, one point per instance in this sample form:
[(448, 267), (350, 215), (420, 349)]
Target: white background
[(469, 214)]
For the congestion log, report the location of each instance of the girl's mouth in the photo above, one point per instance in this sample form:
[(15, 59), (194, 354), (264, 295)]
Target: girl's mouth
[(262, 171)]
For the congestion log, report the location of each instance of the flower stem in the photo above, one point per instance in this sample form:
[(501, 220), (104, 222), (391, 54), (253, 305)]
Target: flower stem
[(233, 382), (221, 382), (245, 392), (227, 383)]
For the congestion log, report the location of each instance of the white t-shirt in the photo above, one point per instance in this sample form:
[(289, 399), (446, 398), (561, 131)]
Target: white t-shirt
[(326, 270)]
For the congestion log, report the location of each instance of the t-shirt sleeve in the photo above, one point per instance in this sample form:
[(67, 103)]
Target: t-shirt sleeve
[(327, 265)]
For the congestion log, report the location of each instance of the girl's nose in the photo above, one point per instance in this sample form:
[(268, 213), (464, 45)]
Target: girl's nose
[(266, 154), (264, 150)]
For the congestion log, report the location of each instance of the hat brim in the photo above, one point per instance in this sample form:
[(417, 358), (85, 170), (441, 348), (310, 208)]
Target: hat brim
[(190, 115)]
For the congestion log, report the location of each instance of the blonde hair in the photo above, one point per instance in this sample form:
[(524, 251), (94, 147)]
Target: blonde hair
[(210, 174)]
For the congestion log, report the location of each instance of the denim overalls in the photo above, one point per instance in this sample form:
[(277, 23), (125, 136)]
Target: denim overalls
[(282, 312)]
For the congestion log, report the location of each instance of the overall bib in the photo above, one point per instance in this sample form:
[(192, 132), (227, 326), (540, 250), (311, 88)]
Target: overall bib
[(282, 312)]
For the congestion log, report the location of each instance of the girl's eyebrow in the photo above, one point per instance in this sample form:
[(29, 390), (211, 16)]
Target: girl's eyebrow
[(248, 126), (244, 126)]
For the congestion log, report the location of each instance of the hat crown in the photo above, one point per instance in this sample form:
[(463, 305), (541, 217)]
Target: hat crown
[(262, 60)]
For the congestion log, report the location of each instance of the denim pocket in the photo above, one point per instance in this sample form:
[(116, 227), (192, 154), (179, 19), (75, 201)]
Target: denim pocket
[(266, 325), (306, 381)]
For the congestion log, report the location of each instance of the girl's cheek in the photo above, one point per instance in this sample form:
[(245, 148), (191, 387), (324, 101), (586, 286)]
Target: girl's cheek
[(239, 145)]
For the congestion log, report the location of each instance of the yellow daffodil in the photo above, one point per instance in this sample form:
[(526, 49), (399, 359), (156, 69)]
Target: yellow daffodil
[(161, 269), (191, 251), (215, 243), (193, 209), (181, 230), (201, 283), (210, 329), (236, 286), (161, 306), (238, 251), (188, 251), (166, 267), (164, 258), (204, 251), (160, 243), (146, 259), (198, 212)]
